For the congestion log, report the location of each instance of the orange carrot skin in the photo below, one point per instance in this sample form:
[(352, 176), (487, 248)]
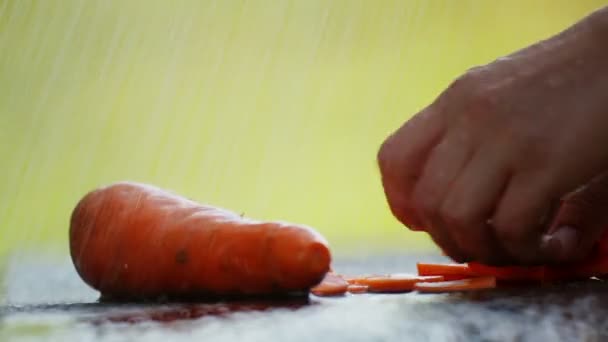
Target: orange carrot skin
[(360, 280), (541, 273), (331, 285), (134, 240), (395, 282), (458, 271), (514, 273), (595, 265), (356, 288), (471, 284)]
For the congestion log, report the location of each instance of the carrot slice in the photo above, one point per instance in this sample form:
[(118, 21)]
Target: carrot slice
[(596, 266), (356, 288), (360, 280), (396, 282), (450, 271), (512, 273), (331, 285), (469, 284)]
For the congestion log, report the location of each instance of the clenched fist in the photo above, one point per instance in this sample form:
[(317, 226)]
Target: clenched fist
[(507, 165)]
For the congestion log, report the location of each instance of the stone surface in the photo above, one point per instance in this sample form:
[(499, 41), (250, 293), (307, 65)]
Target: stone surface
[(44, 300)]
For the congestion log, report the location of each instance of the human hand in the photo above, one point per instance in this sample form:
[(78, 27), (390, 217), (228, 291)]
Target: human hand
[(485, 167)]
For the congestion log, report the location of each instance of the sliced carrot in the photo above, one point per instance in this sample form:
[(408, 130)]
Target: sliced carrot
[(361, 279), (450, 271), (331, 285), (356, 288), (478, 283), (508, 272), (396, 282)]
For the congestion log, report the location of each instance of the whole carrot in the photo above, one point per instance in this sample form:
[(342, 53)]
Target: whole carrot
[(131, 240)]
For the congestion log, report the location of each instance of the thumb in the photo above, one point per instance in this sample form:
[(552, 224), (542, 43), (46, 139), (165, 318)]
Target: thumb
[(579, 223)]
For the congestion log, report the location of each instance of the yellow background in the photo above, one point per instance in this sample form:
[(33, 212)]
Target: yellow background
[(271, 108)]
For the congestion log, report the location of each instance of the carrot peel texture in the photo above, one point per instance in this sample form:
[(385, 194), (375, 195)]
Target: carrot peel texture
[(132, 240)]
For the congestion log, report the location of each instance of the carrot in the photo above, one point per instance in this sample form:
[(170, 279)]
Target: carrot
[(536, 273), (449, 271), (478, 283), (395, 282), (331, 285), (359, 280), (595, 265), (355, 288), (131, 240), (513, 273)]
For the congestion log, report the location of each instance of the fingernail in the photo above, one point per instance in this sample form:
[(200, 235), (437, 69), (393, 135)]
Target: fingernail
[(562, 243)]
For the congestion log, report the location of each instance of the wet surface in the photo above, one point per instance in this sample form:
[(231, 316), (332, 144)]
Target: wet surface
[(46, 301)]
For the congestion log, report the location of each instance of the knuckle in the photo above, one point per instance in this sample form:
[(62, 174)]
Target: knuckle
[(475, 99), (385, 155), (509, 233), (448, 248), (466, 81), (426, 204), (479, 104), (457, 217), (530, 145), (458, 257)]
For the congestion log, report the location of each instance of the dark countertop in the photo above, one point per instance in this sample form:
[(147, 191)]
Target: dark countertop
[(44, 300)]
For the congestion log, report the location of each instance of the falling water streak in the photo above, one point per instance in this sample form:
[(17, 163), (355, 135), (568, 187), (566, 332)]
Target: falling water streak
[(179, 34), (207, 156), (39, 111), (66, 110), (391, 29), (3, 7), (124, 63), (277, 133), (231, 166), (90, 119), (87, 164), (38, 121), (167, 92), (346, 47), (411, 16), (188, 154), (227, 139), (11, 97), (3, 34), (378, 105), (261, 189), (112, 47), (262, 192), (202, 165), (208, 152)]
